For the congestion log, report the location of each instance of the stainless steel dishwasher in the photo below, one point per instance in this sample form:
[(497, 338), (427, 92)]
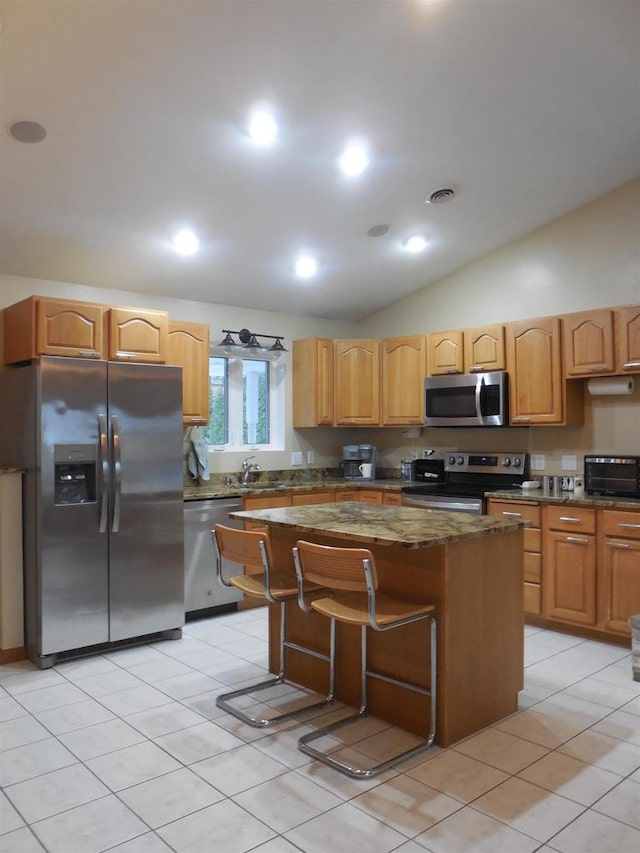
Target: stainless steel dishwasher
[(203, 595)]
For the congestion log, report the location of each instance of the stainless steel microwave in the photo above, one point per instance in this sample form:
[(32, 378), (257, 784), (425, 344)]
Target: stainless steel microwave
[(467, 399)]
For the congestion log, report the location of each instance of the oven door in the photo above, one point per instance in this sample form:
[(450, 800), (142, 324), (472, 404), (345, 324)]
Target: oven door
[(472, 506)]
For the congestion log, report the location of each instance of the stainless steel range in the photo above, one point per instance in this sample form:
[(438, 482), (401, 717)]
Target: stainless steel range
[(459, 481)]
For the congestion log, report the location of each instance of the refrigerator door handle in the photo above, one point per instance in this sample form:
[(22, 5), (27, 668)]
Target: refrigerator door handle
[(104, 472), (117, 474)]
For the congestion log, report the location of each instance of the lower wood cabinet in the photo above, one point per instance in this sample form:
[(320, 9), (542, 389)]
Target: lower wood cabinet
[(530, 512), (620, 557), (569, 592)]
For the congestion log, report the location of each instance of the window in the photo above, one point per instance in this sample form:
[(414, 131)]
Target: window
[(245, 402)]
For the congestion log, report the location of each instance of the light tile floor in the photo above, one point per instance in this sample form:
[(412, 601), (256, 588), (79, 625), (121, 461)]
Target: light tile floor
[(128, 752)]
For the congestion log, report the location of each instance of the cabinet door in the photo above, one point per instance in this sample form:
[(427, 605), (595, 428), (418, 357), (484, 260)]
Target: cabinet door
[(484, 349), (138, 335), (346, 495), (357, 377), (313, 382), (533, 356), (403, 371), (369, 496), (392, 498), (588, 343), (569, 587), (627, 334), (622, 583), (445, 352), (325, 496), (188, 347), (43, 326)]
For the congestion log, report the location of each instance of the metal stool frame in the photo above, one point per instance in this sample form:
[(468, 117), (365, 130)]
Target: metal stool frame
[(370, 585), (256, 547)]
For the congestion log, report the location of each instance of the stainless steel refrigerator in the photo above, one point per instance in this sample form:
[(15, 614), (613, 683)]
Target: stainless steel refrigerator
[(101, 444)]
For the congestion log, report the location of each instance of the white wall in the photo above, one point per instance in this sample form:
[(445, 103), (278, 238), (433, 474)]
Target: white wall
[(586, 259)]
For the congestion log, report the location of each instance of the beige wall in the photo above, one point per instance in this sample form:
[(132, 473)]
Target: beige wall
[(325, 443), (586, 259), (589, 258)]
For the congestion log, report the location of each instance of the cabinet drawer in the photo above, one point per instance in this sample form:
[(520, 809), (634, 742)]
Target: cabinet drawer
[(622, 524), (323, 497), (571, 518), (392, 498), (532, 567), (532, 539), (532, 598), (509, 509)]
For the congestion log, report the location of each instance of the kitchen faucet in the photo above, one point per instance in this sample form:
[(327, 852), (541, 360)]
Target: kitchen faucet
[(246, 469)]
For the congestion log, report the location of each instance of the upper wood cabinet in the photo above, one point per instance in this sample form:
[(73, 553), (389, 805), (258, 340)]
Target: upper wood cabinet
[(445, 352), (538, 392), (138, 334), (484, 349), (45, 326), (357, 378), (313, 382), (627, 337), (403, 371), (188, 347), (588, 343)]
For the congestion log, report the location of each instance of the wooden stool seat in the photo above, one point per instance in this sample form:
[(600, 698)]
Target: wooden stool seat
[(251, 549), (353, 608), (350, 574)]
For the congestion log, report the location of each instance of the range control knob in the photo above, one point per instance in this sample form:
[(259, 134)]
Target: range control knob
[(517, 462), (506, 461), (460, 460), (452, 460)]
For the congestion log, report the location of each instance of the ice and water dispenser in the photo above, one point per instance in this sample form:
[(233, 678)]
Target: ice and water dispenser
[(74, 474)]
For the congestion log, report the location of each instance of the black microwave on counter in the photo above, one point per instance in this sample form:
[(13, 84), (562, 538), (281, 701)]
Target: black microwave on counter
[(617, 476)]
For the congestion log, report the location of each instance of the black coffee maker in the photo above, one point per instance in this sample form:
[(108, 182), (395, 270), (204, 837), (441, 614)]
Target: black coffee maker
[(359, 461)]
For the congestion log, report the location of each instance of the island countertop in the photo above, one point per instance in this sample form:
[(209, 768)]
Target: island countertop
[(405, 527)]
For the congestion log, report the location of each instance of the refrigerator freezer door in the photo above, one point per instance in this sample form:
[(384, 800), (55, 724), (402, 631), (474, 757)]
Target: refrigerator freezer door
[(70, 598), (146, 531)]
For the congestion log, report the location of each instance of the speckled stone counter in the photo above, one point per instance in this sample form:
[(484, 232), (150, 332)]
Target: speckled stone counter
[(5, 470), (470, 567), (403, 527), (539, 496), (207, 491)]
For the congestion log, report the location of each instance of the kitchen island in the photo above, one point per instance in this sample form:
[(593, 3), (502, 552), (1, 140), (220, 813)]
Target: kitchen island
[(470, 567)]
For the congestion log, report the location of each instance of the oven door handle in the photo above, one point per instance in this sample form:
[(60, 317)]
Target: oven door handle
[(473, 507)]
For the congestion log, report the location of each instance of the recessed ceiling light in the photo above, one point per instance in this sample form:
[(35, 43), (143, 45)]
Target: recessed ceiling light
[(415, 244), (263, 128), (185, 242), (378, 230), (354, 160), (27, 131), (306, 267)]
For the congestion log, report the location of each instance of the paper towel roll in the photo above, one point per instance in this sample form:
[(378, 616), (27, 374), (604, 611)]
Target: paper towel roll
[(607, 385)]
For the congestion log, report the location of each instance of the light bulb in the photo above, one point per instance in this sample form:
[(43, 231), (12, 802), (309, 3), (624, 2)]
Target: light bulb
[(185, 242)]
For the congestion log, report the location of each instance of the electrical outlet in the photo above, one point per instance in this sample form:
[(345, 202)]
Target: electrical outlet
[(296, 457), (537, 461), (311, 457), (570, 463)]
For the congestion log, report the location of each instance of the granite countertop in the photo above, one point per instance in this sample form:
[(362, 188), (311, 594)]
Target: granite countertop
[(218, 490), (407, 527), (539, 496), (4, 469)]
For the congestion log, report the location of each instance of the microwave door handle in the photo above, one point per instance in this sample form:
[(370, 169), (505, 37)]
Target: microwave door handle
[(479, 384)]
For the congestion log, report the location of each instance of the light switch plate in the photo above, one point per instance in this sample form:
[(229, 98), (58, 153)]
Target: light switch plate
[(569, 463), (296, 457), (311, 457), (537, 461)]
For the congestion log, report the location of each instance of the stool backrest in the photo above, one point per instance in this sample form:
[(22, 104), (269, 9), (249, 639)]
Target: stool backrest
[(336, 568), (243, 546)]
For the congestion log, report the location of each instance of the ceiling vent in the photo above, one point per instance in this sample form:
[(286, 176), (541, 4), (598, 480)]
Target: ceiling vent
[(440, 196)]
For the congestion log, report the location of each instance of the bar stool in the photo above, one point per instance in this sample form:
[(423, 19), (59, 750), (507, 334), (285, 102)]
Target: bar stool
[(352, 572), (251, 548)]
